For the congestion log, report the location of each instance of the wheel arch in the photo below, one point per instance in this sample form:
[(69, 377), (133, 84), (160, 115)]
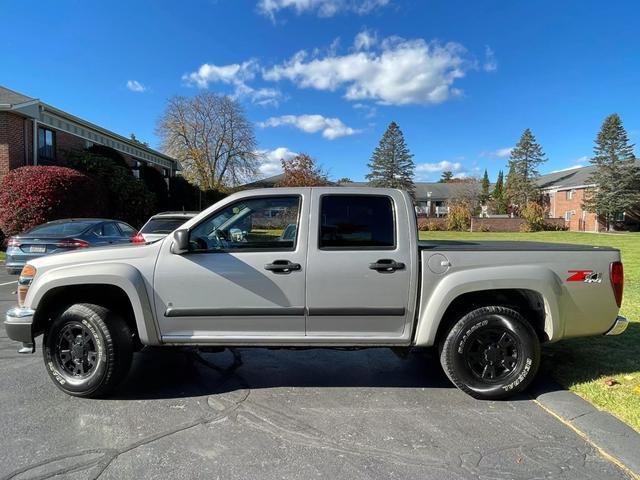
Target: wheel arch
[(534, 291), (116, 286)]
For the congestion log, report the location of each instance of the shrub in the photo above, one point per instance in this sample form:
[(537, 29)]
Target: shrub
[(33, 195), (423, 224), (485, 228), (183, 195), (107, 152), (127, 198), (534, 218), (156, 184), (459, 217)]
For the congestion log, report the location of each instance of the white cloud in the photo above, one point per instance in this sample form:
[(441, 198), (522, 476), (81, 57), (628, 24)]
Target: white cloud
[(370, 110), (135, 86), (331, 128), (499, 153), (425, 172), (490, 62), (442, 166), (322, 8), (237, 75), (271, 160), (365, 40), (395, 71), (577, 163), (233, 73)]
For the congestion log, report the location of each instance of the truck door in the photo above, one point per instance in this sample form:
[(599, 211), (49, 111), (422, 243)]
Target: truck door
[(360, 266), (243, 275)]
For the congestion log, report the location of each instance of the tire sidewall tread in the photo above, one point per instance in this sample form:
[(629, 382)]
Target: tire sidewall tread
[(528, 363), (114, 343)]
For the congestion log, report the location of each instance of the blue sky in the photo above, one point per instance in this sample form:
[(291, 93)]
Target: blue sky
[(463, 79)]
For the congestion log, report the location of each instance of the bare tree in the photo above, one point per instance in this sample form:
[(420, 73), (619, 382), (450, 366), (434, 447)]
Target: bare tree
[(211, 137)]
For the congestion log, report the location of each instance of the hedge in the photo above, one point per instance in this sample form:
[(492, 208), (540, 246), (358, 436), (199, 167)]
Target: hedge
[(30, 196)]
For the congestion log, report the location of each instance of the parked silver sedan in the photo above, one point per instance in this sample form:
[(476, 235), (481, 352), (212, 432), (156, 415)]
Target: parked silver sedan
[(62, 236)]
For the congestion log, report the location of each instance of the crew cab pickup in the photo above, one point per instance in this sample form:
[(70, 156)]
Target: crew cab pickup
[(316, 267)]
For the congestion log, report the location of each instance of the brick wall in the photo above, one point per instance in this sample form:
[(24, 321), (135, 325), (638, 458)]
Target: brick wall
[(505, 224), (561, 203), (12, 142)]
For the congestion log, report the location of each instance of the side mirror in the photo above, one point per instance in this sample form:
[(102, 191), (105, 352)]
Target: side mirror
[(180, 241)]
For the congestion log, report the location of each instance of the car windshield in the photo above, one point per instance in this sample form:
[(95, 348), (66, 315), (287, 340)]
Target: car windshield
[(163, 225), (61, 229)]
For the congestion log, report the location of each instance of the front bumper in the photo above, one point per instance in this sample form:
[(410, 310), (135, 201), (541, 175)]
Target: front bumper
[(619, 326), (18, 323)]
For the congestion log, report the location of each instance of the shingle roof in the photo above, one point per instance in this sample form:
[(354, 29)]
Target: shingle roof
[(576, 177), (9, 97), (265, 182)]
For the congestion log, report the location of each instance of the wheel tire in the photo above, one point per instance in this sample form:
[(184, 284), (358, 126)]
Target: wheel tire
[(470, 354), (99, 354)]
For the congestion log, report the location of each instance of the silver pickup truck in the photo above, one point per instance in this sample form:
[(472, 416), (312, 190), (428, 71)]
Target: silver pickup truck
[(316, 267)]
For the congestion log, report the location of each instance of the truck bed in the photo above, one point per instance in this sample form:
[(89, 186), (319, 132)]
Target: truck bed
[(509, 246)]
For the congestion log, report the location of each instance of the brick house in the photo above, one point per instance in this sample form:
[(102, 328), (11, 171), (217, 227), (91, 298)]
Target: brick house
[(565, 192), (35, 133)]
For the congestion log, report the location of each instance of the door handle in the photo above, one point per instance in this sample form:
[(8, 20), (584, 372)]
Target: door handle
[(282, 266), (386, 265)]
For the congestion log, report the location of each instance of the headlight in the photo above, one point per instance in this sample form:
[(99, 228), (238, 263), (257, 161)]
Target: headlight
[(24, 282)]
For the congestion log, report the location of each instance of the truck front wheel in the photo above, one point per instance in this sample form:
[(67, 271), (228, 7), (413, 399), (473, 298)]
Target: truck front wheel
[(87, 350), (491, 353)]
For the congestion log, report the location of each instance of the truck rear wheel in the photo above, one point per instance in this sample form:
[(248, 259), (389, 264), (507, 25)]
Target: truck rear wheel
[(87, 350), (491, 353)]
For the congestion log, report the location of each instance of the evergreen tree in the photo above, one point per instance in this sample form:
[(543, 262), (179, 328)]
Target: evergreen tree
[(526, 157), (392, 163), (498, 195), (484, 193), (510, 188), (446, 177), (616, 175)]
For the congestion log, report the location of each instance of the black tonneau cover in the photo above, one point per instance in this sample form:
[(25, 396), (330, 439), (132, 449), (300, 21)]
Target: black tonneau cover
[(509, 246)]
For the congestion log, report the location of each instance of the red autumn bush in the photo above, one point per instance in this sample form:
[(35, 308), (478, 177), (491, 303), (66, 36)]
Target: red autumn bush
[(30, 196)]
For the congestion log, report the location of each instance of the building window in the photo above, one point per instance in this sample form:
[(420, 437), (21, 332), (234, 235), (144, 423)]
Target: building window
[(568, 214), (46, 144), (570, 194)]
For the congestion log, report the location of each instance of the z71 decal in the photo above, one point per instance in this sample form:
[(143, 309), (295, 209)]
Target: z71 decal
[(585, 276)]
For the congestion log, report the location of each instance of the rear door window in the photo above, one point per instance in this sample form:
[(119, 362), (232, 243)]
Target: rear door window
[(127, 230), (356, 222), (163, 225), (60, 229)]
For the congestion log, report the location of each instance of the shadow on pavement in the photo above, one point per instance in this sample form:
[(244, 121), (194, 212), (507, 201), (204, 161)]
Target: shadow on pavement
[(177, 373)]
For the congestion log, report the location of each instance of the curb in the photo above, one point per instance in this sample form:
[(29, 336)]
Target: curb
[(614, 439)]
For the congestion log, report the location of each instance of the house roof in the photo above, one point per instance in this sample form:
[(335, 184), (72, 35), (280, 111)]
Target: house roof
[(575, 177), (53, 117), (265, 182), (9, 98)]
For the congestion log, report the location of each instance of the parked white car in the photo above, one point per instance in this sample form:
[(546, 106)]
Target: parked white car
[(161, 225)]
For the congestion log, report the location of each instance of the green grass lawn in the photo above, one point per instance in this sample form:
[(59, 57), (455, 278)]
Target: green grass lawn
[(584, 365), (2, 256)]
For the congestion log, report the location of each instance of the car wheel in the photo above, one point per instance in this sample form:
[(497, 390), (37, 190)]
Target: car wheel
[(491, 353), (87, 350)]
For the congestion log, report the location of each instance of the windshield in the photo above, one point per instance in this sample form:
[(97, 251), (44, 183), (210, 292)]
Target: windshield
[(163, 225), (61, 229)]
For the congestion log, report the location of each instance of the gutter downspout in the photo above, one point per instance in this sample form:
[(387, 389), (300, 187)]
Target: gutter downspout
[(35, 141), (25, 130)]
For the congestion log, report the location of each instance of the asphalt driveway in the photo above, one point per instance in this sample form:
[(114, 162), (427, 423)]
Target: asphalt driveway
[(258, 413)]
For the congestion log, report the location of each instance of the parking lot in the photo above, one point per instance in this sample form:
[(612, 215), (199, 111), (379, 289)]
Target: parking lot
[(258, 413)]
